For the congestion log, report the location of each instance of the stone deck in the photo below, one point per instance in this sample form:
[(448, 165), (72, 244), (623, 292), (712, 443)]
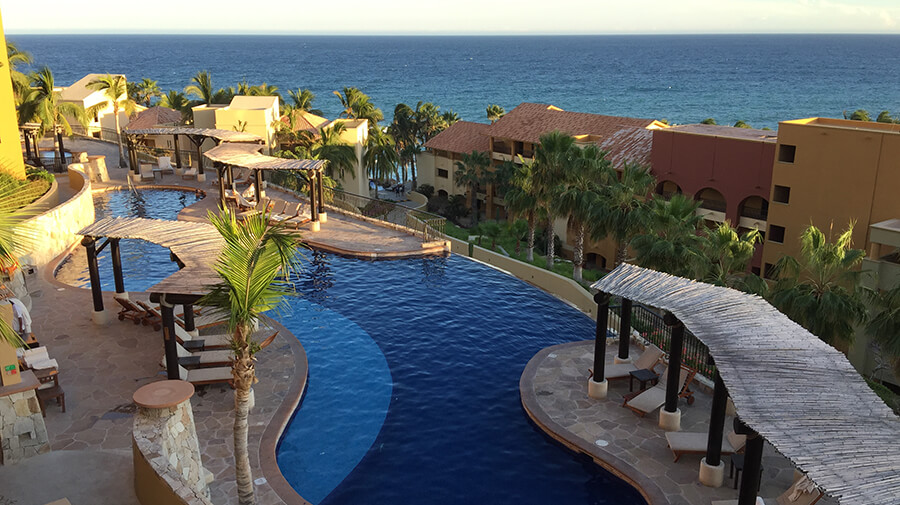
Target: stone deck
[(554, 393)]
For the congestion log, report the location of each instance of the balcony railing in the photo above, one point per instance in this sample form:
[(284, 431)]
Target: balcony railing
[(759, 214), (427, 225), (716, 205)]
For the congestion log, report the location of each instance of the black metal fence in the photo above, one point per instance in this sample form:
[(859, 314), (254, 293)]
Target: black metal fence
[(650, 325), (429, 226)]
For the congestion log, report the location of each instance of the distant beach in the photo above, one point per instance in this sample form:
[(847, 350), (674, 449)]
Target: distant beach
[(760, 79)]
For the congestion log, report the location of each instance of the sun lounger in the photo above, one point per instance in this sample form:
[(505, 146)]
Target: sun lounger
[(802, 492), (153, 317), (647, 360), (130, 311), (290, 211), (146, 172), (261, 206), (188, 359), (648, 400), (165, 164), (695, 443), (277, 207), (190, 173), (200, 376), (204, 342)]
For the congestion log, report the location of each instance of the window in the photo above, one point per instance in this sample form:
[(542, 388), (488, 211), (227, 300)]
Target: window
[(786, 153), (443, 173), (755, 270), (776, 233), (769, 271), (781, 194)]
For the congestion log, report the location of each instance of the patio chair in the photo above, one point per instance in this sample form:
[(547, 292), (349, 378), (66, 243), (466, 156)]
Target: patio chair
[(647, 360), (244, 179), (50, 390), (200, 359), (302, 217), (153, 317), (291, 210), (201, 376), (261, 206), (190, 173), (695, 443), (130, 311), (802, 492), (244, 203), (648, 400), (165, 164), (277, 207), (146, 172)]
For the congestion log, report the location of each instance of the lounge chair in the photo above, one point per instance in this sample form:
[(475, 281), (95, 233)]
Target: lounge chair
[(190, 173), (647, 360), (146, 172), (277, 207), (244, 179), (165, 164), (648, 400), (290, 211), (695, 443), (130, 311), (261, 206), (802, 492), (153, 317), (200, 376), (207, 358), (300, 219)]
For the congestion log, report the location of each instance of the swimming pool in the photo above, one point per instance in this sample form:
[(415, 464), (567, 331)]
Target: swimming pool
[(143, 263), (413, 397)]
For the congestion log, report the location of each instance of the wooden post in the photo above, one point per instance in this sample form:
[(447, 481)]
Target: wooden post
[(62, 152), (752, 463), (199, 159), (320, 179), (716, 421), (177, 153), (117, 265), (189, 317), (27, 144), (94, 272), (220, 169), (675, 345), (602, 300), (168, 328), (257, 190), (624, 329), (314, 209)]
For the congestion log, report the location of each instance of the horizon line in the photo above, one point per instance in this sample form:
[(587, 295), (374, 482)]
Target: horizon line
[(435, 34)]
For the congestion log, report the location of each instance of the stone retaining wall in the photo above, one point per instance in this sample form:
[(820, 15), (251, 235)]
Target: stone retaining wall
[(167, 465), (22, 430)]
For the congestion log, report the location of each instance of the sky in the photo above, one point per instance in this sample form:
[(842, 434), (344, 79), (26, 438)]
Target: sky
[(452, 17)]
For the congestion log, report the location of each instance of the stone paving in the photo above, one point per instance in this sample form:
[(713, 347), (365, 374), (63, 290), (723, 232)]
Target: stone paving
[(559, 387)]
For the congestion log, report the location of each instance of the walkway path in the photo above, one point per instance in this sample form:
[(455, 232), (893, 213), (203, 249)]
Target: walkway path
[(554, 393)]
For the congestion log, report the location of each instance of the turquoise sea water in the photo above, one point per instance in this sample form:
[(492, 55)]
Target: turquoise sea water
[(761, 79)]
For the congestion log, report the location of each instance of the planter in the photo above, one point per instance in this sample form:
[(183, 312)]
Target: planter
[(9, 362)]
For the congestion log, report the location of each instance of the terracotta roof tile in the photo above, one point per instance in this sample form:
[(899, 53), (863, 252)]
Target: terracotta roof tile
[(462, 137), (528, 121), (154, 116), (628, 144)]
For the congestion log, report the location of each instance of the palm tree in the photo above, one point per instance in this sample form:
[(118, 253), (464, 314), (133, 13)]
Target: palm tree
[(728, 255), (403, 129), (201, 87), (20, 81), (884, 324), (264, 90), (43, 104), (302, 99), (144, 92), (671, 243), (340, 155), (253, 269), (448, 118), (579, 194), (116, 92), (381, 157), (495, 112), (470, 174), (176, 100), (553, 160), (358, 105), (619, 213), (820, 290), (521, 200)]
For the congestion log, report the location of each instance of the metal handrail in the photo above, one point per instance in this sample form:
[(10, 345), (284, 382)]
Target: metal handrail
[(429, 226)]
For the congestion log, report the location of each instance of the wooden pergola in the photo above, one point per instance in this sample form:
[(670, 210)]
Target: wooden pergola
[(196, 135), (194, 246), (226, 157), (788, 387), (31, 132)]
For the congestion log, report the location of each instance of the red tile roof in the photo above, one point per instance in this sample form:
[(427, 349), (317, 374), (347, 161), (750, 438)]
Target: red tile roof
[(628, 144), (462, 137), (154, 116), (528, 121), (727, 132)]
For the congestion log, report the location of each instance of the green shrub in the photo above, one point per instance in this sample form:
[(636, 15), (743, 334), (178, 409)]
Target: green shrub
[(426, 189), (35, 173)]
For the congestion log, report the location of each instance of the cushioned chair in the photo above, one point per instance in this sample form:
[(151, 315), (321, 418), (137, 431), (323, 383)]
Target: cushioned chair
[(695, 443), (261, 206), (802, 492), (146, 172), (165, 164), (647, 360), (190, 173), (290, 211), (130, 311), (648, 400), (201, 376)]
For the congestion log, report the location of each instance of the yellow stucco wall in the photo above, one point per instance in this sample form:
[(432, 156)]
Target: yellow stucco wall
[(842, 171), (356, 133), (11, 161)]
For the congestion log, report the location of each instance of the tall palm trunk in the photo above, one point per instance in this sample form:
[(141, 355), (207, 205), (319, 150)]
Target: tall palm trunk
[(551, 247), (244, 375), (531, 227), (412, 168), (578, 256), (122, 163), (474, 205), (621, 253)]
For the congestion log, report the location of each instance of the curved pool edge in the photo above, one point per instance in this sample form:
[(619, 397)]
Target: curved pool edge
[(268, 444), (618, 467)]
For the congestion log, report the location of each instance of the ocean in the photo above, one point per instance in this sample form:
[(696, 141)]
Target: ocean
[(760, 79)]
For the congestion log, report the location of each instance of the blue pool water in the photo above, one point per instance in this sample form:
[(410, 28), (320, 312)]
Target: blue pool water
[(434, 348), (143, 263)]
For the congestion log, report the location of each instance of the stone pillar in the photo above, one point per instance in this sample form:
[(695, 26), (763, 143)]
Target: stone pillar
[(23, 433), (99, 315), (117, 268), (323, 216), (164, 424), (670, 414), (624, 332), (712, 469), (598, 389)]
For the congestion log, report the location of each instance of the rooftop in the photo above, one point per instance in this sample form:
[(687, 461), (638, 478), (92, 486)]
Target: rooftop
[(729, 132), (628, 144), (528, 121), (79, 89), (254, 102), (155, 116), (847, 124), (462, 137)]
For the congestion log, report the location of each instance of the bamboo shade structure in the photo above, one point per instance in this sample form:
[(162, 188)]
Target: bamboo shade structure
[(248, 156), (798, 392), (220, 135), (197, 246)]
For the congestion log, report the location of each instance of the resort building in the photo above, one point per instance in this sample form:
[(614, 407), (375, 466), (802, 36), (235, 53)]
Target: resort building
[(160, 117), (103, 124), (437, 165), (729, 170), (11, 161), (251, 114)]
